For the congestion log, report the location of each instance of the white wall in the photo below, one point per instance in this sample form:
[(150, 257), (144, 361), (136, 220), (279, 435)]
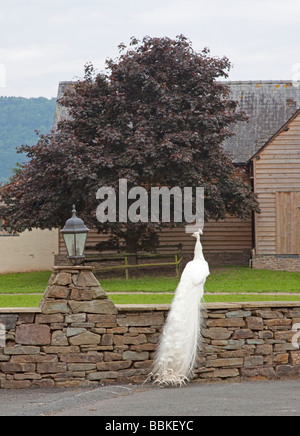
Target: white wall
[(29, 251)]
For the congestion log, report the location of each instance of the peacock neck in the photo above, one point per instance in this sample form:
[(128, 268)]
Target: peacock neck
[(198, 253)]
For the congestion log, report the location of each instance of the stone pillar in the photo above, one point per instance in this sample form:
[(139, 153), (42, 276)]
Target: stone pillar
[(74, 290)]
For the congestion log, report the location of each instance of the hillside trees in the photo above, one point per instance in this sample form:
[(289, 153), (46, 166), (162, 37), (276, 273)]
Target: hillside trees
[(19, 119)]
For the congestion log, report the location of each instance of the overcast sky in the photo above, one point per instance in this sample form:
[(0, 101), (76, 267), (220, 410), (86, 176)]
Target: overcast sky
[(47, 41)]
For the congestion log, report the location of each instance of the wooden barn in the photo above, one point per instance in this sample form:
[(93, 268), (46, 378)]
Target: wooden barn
[(266, 152), (276, 179)]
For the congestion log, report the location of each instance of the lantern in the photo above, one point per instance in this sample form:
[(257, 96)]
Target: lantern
[(75, 234)]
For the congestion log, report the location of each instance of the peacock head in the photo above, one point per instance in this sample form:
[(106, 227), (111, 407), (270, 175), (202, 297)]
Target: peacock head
[(196, 234)]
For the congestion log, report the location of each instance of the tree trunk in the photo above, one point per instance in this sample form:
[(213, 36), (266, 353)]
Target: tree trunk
[(132, 250)]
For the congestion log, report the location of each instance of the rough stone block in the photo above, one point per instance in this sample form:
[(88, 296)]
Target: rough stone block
[(49, 319), (74, 331), (216, 363), (81, 366), (113, 366), (86, 338), (17, 367), (76, 318), (56, 291), (226, 373), (59, 338), (107, 339), (253, 361), (235, 344), (238, 314), (109, 356), (35, 358), (269, 314), (54, 306), (98, 292), (226, 322), (19, 349), (287, 371), (102, 320), (33, 334), (264, 349), (63, 279), (85, 279), (243, 334), (255, 323), (278, 322), (145, 364), (281, 359), (295, 358), (95, 306), (9, 320), (51, 368), (265, 334), (143, 347), (127, 339), (61, 350), (286, 335), (82, 357), (25, 318), (259, 373), (103, 375), (216, 333), (81, 294), (135, 355), (143, 319), (44, 383), (15, 384), (27, 376)]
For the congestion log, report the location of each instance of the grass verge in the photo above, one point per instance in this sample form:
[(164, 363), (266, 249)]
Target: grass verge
[(34, 300), (24, 283), (226, 279), (221, 280)]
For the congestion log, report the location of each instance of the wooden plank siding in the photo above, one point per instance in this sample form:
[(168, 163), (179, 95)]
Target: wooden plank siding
[(276, 173), (288, 222), (229, 236)]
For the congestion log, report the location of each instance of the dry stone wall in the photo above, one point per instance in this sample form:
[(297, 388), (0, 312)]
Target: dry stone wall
[(78, 337)]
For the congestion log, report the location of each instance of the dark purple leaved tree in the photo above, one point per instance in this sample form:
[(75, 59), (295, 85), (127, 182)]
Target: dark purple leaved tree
[(157, 118)]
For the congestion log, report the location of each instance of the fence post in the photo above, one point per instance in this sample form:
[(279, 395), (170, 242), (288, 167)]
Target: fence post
[(176, 264), (126, 269)]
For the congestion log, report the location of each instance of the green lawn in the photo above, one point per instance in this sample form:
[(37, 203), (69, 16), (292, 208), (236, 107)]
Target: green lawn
[(24, 283), (161, 299), (146, 284), (34, 300), (225, 279), (242, 279), (20, 300), (221, 280)]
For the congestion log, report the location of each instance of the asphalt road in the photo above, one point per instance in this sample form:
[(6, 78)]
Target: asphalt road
[(274, 398)]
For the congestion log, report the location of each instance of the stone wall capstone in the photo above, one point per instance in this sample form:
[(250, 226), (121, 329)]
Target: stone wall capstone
[(78, 337)]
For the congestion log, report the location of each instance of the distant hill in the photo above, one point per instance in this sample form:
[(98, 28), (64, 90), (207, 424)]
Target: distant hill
[(19, 118)]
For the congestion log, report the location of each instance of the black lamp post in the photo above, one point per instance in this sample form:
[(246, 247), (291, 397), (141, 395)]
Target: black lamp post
[(75, 234)]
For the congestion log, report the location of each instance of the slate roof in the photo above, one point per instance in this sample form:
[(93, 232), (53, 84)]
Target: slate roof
[(268, 104)]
